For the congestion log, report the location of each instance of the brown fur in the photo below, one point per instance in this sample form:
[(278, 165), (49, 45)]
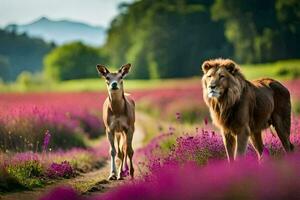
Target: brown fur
[(119, 119), (242, 109)]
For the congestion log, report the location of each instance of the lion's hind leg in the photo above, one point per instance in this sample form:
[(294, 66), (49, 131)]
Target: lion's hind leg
[(282, 127), (281, 116), (257, 143)]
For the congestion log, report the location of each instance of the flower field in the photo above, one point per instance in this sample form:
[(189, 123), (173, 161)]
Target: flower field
[(48, 137), (195, 167)]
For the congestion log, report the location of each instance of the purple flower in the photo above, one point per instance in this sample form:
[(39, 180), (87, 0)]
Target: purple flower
[(178, 116), (205, 121), (265, 152), (46, 140), (62, 193), (63, 169), (243, 179)]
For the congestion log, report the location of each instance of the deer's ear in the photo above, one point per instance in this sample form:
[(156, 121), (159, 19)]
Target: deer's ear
[(206, 66), (102, 70), (124, 70)]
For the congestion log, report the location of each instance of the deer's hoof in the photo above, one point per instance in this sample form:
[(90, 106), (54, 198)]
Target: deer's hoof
[(120, 178), (112, 177)]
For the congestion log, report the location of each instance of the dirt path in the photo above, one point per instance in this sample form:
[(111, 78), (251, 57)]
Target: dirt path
[(90, 183)]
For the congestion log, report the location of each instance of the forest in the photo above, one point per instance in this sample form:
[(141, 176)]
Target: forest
[(166, 39)]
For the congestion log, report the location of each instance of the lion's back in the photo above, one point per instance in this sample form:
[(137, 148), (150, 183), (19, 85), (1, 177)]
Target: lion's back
[(272, 88), (272, 98)]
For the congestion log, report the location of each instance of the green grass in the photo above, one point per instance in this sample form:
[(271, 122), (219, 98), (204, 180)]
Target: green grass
[(94, 85), (282, 70), (27, 173), (99, 84)]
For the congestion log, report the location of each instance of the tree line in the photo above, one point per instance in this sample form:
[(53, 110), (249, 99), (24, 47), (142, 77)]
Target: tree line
[(171, 38), (20, 53)]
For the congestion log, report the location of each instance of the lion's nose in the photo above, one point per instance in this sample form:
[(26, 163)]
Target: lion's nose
[(212, 86)]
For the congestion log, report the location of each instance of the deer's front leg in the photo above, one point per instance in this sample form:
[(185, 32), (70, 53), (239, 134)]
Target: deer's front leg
[(113, 170), (121, 156)]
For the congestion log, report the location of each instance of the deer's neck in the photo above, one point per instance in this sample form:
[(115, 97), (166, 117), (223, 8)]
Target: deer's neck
[(117, 102)]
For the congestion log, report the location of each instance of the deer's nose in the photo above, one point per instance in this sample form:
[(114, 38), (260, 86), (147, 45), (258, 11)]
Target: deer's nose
[(114, 85)]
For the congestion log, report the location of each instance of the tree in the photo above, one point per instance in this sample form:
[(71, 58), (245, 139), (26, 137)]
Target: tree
[(288, 15), (260, 31), (72, 61), (166, 38), (22, 52), (4, 68)]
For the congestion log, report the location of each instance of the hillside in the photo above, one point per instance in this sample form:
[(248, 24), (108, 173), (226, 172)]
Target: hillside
[(62, 31), (20, 53)]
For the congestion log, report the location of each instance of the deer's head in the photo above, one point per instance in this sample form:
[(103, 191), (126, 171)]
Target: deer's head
[(114, 80)]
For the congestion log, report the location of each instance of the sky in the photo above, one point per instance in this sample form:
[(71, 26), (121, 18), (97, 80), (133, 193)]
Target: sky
[(93, 12)]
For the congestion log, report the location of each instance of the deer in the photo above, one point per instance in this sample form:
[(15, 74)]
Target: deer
[(119, 119)]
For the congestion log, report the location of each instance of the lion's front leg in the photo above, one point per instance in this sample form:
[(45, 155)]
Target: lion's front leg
[(242, 142), (230, 145)]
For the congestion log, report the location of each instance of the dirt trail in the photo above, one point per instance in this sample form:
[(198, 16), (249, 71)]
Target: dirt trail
[(90, 183)]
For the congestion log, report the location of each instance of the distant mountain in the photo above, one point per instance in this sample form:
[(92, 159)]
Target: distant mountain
[(62, 31)]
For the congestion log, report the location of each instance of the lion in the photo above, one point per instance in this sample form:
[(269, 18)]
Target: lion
[(242, 109)]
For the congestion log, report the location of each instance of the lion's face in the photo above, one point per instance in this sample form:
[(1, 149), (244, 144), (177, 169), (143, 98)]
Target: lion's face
[(220, 78), (216, 82)]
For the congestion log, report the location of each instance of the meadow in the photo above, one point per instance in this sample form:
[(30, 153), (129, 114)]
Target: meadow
[(281, 70), (49, 136)]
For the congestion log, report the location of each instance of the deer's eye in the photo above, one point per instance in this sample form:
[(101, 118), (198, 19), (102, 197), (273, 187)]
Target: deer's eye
[(209, 76)]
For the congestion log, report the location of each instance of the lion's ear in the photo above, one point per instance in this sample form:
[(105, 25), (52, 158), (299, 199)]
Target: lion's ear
[(206, 66), (231, 67)]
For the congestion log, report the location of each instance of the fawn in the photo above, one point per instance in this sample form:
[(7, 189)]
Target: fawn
[(119, 119)]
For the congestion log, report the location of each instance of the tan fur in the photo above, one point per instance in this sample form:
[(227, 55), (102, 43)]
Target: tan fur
[(119, 119), (242, 109)]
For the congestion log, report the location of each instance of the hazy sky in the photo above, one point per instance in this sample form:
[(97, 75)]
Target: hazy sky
[(94, 12)]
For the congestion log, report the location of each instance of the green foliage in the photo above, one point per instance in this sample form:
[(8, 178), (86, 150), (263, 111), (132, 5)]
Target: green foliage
[(296, 107), (27, 81), (260, 31), (24, 78), (7, 182), (72, 61), (68, 140), (283, 69), (165, 38), (19, 53), (27, 173), (4, 67)]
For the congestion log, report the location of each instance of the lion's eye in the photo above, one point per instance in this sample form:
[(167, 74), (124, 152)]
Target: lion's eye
[(222, 76)]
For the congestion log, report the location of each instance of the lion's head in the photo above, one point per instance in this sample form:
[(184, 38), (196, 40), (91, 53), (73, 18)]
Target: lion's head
[(222, 82)]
